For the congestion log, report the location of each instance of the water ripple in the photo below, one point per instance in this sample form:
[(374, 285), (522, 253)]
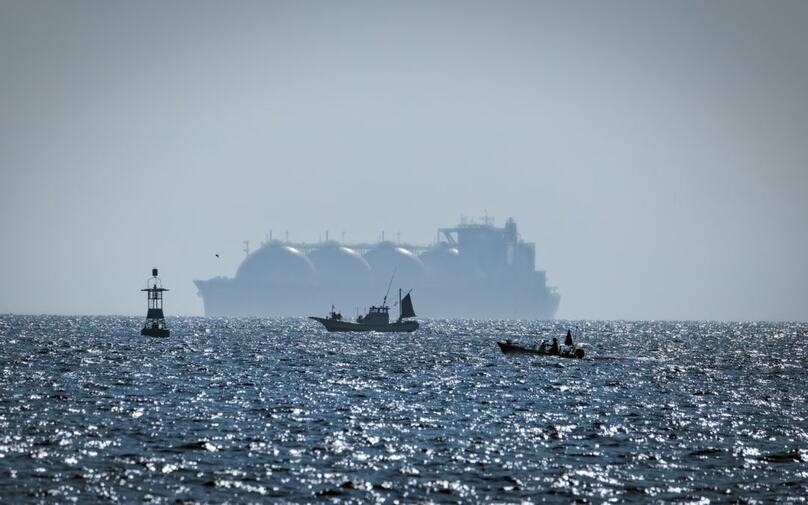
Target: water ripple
[(248, 410)]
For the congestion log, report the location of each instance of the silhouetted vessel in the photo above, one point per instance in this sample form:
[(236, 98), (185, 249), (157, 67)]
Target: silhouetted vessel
[(377, 318), (473, 270), (155, 320), (509, 348)]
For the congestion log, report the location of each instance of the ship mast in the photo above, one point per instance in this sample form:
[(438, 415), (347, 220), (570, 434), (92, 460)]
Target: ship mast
[(384, 303)]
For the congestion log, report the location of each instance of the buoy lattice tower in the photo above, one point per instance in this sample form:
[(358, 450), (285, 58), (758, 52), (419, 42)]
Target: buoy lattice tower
[(155, 320)]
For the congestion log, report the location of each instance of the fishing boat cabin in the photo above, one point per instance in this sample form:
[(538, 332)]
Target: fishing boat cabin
[(376, 315)]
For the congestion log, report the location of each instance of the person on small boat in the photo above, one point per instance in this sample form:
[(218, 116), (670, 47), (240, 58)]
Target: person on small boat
[(554, 348), (543, 346), (568, 339)]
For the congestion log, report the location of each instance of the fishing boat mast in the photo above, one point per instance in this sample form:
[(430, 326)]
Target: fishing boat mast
[(384, 302)]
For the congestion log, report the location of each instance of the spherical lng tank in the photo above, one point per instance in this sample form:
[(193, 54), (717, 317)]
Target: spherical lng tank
[(387, 257), (447, 265), (442, 263), (337, 263), (278, 264)]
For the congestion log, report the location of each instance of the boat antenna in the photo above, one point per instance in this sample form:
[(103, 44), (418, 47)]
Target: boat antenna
[(384, 303)]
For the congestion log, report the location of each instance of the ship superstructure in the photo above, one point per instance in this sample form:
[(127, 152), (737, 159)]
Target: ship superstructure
[(474, 270)]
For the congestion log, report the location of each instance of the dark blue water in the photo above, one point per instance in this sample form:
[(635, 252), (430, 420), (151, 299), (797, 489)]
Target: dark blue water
[(254, 410)]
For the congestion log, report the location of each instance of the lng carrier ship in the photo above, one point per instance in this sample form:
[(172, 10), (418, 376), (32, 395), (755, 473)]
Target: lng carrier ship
[(474, 270)]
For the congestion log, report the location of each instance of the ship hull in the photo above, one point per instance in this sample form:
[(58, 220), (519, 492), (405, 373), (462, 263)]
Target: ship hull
[(508, 348), (339, 325), (469, 300)]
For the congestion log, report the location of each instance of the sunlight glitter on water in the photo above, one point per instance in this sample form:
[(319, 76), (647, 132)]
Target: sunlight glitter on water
[(244, 410)]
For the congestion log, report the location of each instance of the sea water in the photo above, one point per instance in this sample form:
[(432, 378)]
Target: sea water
[(250, 410)]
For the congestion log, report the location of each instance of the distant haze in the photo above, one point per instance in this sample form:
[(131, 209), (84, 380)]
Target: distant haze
[(656, 152)]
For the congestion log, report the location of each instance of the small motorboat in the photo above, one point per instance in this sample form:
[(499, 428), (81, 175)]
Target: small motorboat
[(508, 347)]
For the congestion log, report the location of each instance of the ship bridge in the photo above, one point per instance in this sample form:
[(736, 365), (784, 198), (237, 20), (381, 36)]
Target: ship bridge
[(494, 249)]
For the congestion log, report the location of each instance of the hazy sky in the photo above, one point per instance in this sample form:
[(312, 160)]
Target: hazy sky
[(656, 152)]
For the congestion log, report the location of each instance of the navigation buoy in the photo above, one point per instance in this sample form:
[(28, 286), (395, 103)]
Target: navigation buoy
[(155, 320)]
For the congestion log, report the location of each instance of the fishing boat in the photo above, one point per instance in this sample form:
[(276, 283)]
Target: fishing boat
[(508, 347), (377, 318)]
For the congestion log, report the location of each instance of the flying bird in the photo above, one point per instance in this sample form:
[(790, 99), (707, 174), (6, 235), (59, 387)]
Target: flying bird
[(217, 255)]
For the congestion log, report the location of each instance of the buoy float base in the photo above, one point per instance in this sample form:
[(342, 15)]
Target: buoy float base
[(155, 332)]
